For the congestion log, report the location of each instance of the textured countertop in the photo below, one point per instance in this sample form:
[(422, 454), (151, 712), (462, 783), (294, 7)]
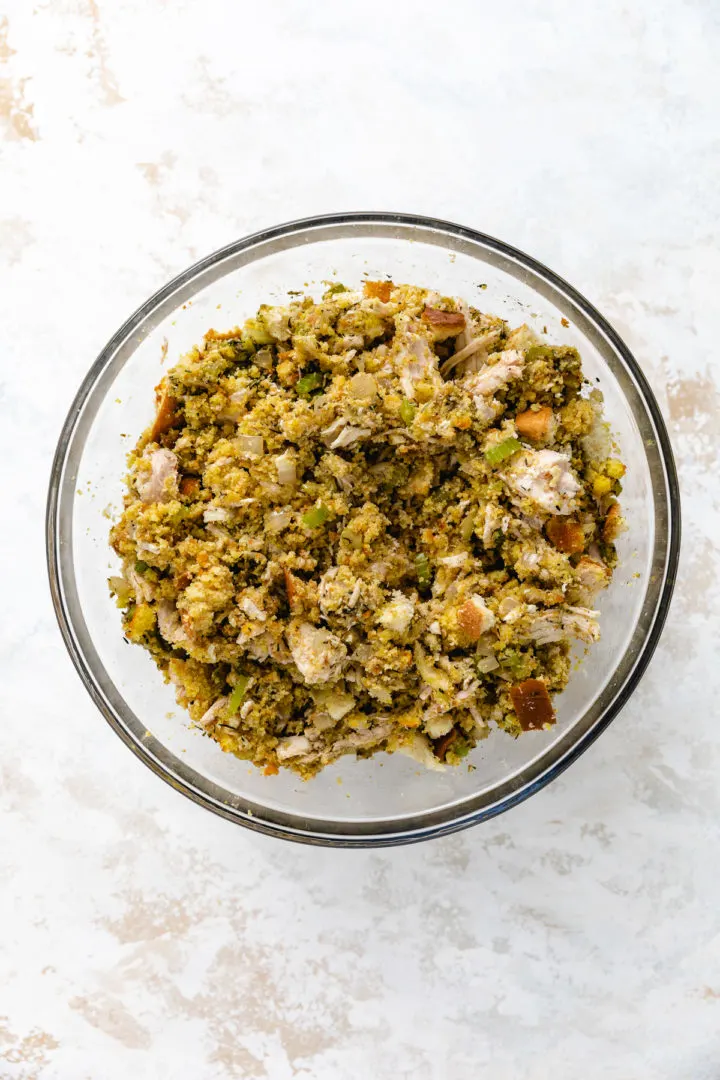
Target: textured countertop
[(579, 934)]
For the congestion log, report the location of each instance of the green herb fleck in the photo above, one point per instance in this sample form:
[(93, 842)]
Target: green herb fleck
[(141, 567)]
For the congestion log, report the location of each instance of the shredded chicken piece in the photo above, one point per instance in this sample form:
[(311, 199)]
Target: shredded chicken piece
[(479, 344), (418, 363), (293, 746), (397, 615), (169, 624), (493, 521), (251, 609), (508, 366), (340, 434), (591, 576), (210, 717), (161, 485), (318, 654), (339, 589), (545, 478), (559, 624), (143, 589)]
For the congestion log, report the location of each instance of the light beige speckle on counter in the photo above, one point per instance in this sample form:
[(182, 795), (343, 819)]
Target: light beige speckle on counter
[(576, 936)]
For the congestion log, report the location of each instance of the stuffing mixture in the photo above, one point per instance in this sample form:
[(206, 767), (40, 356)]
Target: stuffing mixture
[(370, 523)]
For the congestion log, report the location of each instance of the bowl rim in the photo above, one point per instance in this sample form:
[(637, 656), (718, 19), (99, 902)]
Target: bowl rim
[(351, 833)]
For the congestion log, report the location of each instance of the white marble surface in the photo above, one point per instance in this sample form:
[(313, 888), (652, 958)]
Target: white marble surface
[(578, 935)]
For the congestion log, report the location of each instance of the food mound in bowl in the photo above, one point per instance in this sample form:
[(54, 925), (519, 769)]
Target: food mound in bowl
[(374, 522)]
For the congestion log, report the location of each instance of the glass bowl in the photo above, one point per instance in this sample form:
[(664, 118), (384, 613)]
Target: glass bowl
[(387, 799)]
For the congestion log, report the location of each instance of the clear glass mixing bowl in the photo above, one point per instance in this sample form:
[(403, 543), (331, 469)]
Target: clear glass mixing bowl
[(387, 799)]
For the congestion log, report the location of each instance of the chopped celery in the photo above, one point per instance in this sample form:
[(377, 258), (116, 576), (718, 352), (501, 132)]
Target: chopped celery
[(141, 567), (502, 450), (407, 412), (317, 516), (422, 569), (237, 694), (309, 383), (516, 663), (467, 527)]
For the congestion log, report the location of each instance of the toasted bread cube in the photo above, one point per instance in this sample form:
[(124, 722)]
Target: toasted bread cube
[(379, 290), (165, 416), (536, 425), (566, 535), (441, 745), (141, 621), (474, 618), (444, 324), (613, 525), (532, 704), (189, 485)]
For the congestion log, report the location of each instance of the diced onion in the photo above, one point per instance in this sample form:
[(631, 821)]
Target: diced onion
[(335, 703), (507, 605), (263, 359), (484, 664), (217, 513), (340, 434), (277, 520), (251, 446), (286, 471), (454, 560)]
